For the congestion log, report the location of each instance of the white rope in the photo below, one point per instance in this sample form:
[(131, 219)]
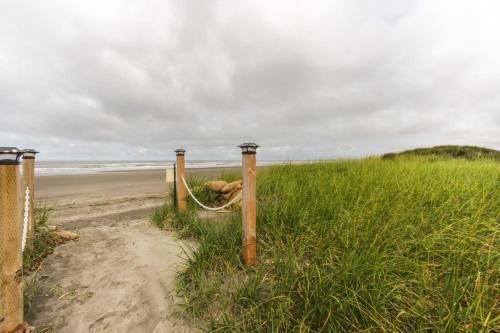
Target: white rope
[(202, 205), (26, 216)]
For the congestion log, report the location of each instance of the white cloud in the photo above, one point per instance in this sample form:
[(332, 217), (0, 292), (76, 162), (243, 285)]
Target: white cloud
[(323, 79)]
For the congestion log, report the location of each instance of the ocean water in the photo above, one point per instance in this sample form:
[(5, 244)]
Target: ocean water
[(50, 168)]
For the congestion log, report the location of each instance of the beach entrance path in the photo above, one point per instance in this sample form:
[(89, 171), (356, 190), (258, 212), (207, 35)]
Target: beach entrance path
[(120, 275)]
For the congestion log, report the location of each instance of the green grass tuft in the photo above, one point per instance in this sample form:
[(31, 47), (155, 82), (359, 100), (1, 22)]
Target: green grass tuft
[(43, 245), (43, 242)]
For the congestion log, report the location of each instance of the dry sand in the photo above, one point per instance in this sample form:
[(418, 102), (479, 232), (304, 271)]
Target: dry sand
[(120, 275)]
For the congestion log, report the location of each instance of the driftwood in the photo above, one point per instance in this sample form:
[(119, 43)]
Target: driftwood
[(226, 192)]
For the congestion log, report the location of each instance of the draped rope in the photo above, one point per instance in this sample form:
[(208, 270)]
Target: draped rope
[(202, 205), (26, 216)]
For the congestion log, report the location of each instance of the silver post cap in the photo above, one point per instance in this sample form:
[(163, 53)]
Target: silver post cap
[(248, 148), (29, 153), (10, 155), (180, 152)]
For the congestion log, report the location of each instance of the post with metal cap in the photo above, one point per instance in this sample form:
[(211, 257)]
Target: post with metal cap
[(249, 205), (181, 189), (11, 304), (28, 193)]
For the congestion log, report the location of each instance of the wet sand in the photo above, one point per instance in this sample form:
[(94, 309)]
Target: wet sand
[(50, 188)]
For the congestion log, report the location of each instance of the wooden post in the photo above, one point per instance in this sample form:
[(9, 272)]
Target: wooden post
[(175, 186), (11, 303), (181, 189), (29, 183), (249, 205)]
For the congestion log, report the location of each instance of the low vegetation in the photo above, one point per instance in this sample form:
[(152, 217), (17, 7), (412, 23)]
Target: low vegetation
[(400, 245), (466, 152), (43, 244)]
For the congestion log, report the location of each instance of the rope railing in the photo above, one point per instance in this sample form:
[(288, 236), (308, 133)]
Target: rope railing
[(204, 206), (26, 217), (247, 196)]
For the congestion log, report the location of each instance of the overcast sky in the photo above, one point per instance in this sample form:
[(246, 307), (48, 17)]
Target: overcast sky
[(304, 79)]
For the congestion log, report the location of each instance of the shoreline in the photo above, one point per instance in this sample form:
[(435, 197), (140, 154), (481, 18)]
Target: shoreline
[(193, 170), (102, 185), (189, 168)]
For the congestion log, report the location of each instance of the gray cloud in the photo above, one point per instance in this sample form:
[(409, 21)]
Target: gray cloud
[(136, 79)]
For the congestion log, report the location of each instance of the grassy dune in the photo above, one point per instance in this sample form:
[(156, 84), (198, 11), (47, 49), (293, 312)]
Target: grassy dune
[(371, 245), (451, 151)]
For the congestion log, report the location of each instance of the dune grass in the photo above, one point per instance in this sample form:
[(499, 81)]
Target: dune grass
[(43, 242), (371, 245), (43, 245)]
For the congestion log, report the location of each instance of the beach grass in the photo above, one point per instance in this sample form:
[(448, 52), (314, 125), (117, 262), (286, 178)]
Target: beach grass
[(402, 245), (43, 244)]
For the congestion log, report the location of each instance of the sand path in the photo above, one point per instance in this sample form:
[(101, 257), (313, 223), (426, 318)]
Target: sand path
[(120, 275)]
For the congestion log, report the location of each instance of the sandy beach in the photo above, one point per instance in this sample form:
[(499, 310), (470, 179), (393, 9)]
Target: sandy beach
[(120, 275), (61, 187)]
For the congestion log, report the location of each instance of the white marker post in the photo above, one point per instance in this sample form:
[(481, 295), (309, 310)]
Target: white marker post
[(169, 175)]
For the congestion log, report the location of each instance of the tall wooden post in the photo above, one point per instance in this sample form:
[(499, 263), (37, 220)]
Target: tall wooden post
[(28, 193), (11, 303), (181, 189), (175, 186), (249, 205)]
